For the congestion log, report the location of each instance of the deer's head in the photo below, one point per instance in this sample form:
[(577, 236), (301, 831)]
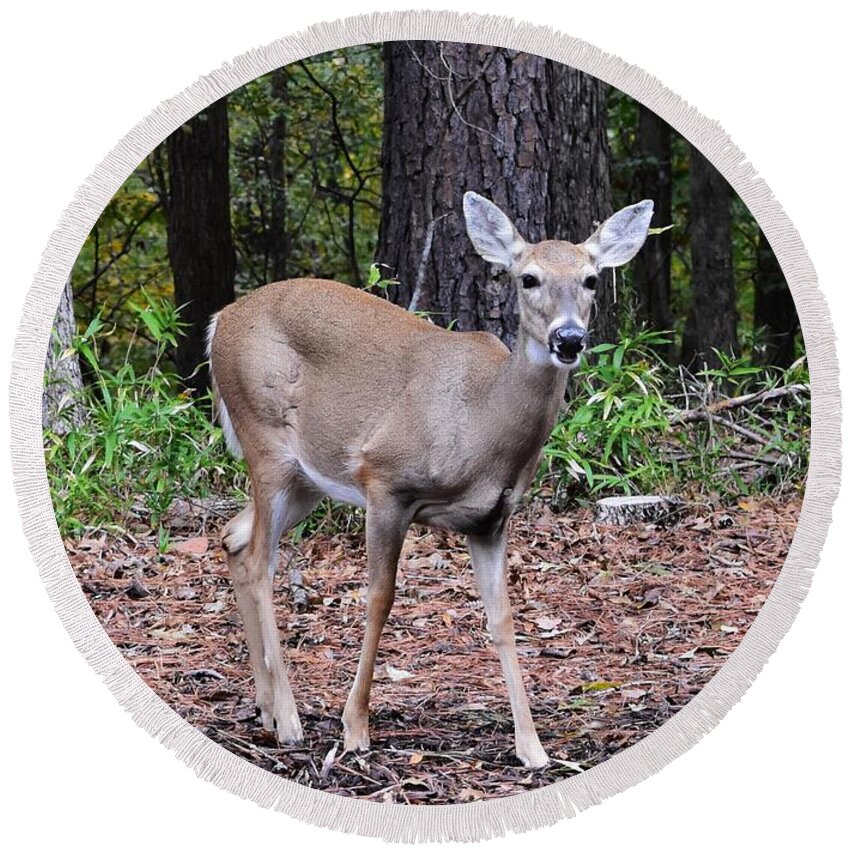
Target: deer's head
[(555, 281)]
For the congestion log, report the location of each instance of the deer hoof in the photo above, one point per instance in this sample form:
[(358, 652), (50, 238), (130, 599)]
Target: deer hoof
[(533, 756), (288, 728), (356, 736)]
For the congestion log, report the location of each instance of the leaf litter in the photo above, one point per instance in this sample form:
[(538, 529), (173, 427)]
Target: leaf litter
[(617, 629)]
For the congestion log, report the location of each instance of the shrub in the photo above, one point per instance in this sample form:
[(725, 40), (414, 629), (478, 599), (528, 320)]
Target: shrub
[(632, 424), (636, 425), (144, 441), (606, 439)]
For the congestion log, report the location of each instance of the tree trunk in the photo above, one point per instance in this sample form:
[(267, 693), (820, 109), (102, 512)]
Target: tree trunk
[(775, 312), (579, 191), (61, 409), (200, 244), (459, 117), (712, 320), (654, 181), (278, 236)]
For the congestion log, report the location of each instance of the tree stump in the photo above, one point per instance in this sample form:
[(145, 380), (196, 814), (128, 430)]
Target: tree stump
[(632, 510)]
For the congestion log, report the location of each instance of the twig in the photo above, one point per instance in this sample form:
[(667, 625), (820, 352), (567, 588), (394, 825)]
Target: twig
[(752, 436), (764, 461), (465, 91), (739, 401), (416, 297)]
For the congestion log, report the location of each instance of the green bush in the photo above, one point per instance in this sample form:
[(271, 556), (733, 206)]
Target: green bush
[(629, 427), (143, 442), (740, 451), (606, 439)]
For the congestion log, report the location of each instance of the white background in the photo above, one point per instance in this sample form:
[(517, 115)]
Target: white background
[(76, 77)]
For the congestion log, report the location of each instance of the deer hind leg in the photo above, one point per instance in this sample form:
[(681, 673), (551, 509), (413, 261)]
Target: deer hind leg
[(386, 526), (251, 540), (488, 563), (234, 539)]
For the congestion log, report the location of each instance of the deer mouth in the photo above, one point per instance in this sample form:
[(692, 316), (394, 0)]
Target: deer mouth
[(566, 343), (563, 358)]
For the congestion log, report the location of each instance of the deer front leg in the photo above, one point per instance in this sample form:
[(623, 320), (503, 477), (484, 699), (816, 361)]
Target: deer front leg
[(488, 563), (385, 530)]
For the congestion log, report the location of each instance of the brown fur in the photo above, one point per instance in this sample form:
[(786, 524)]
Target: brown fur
[(333, 390)]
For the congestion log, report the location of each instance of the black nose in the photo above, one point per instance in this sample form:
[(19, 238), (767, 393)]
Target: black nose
[(568, 341)]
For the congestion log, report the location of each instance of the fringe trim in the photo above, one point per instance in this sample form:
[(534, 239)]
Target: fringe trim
[(470, 821)]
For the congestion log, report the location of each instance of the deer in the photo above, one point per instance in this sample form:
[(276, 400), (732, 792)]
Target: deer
[(329, 390)]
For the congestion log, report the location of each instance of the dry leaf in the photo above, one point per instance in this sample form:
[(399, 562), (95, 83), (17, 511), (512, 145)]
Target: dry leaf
[(192, 546), (548, 624), (396, 675)]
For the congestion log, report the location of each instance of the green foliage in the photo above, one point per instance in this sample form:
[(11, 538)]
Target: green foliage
[(605, 439), (773, 454), (376, 280), (144, 442), (322, 164), (629, 427), (124, 253)]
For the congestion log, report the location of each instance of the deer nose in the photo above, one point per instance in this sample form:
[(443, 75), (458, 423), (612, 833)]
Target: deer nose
[(567, 341)]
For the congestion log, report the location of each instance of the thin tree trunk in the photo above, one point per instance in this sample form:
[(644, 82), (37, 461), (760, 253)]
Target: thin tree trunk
[(775, 312), (278, 236), (61, 409), (654, 181), (579, 191), (712, 320), (200, 244), (460, 117)]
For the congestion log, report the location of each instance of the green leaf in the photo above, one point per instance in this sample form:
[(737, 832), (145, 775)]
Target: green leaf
[(599, 686), (374, 276)]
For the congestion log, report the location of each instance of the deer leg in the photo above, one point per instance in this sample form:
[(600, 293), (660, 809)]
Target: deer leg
[(250, 540), (234, 538), (385, 530), (488, 563)]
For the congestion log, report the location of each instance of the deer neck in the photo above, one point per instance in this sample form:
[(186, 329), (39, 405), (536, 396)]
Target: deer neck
[(529, 388)]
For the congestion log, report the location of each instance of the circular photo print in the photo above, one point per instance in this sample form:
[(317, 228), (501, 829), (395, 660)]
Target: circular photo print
[(426, 422)]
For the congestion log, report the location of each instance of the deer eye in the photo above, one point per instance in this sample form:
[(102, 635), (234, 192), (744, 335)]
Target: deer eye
[(529, 281), (590, 282)]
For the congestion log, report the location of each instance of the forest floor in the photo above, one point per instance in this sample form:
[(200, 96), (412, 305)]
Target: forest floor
[(617, 629)]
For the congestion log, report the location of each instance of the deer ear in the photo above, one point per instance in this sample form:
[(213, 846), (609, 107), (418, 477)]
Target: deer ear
[(621, 236), (491, 231)]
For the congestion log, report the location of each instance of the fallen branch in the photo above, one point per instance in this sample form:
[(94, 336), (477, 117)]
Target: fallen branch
[(752, 436), (700, 414)]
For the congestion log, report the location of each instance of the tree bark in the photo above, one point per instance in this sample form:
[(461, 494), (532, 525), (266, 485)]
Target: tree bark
[(528, 133), (712, 320), (460, 117), (200, 244), (775, 312), (61, 409), (579, 191), (654, 181)]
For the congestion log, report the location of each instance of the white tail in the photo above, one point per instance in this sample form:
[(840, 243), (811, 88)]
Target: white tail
[(220, 408), (330, 390)]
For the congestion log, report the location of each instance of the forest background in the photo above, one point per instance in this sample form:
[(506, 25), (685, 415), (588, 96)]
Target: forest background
[(351, 165)]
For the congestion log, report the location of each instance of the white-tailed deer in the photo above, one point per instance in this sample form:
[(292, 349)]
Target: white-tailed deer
[(328, 390)]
